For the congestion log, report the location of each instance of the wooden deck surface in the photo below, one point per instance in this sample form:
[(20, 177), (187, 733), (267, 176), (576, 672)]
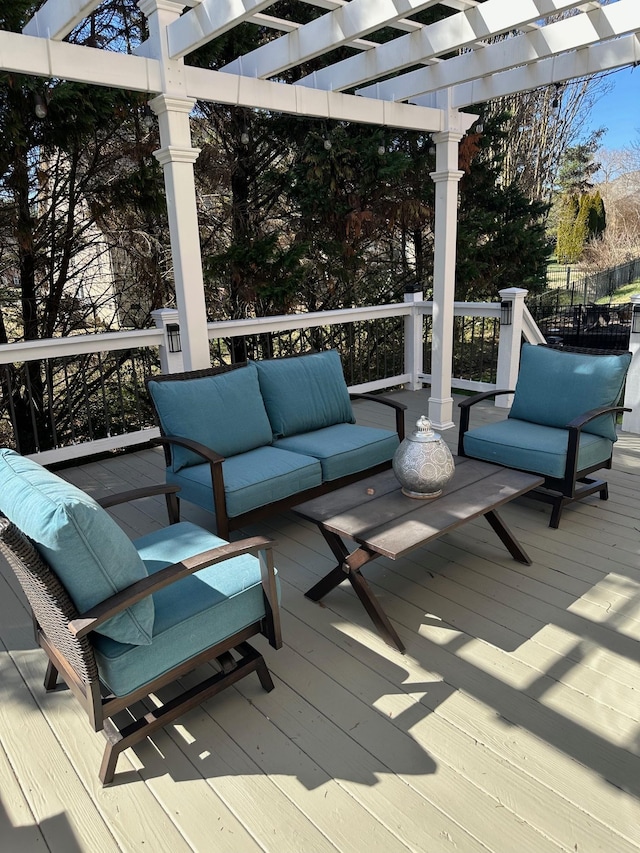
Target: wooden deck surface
[(511, 724)]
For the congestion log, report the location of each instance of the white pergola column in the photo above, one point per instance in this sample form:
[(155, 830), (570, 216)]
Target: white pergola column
[(177, 156), (446, 178)]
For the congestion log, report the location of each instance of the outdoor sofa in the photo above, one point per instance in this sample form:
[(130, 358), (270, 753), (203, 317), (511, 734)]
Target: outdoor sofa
[(259, 437)]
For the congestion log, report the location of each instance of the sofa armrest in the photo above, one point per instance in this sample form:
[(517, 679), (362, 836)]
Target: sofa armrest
[(465, 412), (130, 595), (393, 404), (208, 453)]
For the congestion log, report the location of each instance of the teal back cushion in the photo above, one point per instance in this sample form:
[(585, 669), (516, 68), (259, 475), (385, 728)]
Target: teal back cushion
[(554, 387), (224, 412), (304, 393), (90, 554)]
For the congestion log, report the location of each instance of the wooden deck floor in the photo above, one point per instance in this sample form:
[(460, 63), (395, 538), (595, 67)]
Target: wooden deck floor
[(511, 724)]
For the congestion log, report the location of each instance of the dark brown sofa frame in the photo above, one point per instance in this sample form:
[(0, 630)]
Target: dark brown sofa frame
[(225, 523)]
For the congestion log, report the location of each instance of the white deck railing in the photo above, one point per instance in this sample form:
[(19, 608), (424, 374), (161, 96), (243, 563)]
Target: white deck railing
[(416, 329)]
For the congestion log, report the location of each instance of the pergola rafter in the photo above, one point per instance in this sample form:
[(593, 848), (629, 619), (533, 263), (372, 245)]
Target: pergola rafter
[(601, 24), (462, 31), (402, 73)]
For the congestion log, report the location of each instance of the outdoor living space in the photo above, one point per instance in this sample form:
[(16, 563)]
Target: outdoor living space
[(511, 723)]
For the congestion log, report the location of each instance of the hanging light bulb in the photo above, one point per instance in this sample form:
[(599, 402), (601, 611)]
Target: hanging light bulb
[(327, 145), (147, 118), (381, 150), (556, 98), (41, 106), (244, 138)]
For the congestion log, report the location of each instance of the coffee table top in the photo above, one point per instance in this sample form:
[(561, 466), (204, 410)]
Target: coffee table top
[(376, 514)]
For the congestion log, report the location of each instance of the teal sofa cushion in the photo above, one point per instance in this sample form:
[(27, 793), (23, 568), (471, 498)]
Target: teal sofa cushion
[(533, 447), (343, 448), (572, 384), (252, 479), (304, 393), (90, 554), (191, 614), (224, 412)]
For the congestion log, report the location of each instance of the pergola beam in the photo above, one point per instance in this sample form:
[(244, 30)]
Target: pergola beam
[(574, 64), (56, 18), (571, 34), (28, 55), (42, 58), (462, 30), (335, 29), (208, 20), (216, 86)]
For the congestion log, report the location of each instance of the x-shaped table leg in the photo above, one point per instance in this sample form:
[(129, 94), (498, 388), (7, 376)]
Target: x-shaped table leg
[(348, 568)]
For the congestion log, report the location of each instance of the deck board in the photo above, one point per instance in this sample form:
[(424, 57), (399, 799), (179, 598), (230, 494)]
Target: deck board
[(511, 723)]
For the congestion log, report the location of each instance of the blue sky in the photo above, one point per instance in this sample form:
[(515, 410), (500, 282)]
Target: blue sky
[(619, 111)]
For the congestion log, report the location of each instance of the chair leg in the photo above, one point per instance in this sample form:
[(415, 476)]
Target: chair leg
[(158, 717), (556, 511), (115, 745), (50, 678)]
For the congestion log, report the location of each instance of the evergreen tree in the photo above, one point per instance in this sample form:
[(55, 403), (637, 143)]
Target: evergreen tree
[(501, 240)]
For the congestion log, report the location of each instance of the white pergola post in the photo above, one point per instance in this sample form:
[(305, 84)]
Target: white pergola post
[(446, 178), (177, 160), (177, 156)]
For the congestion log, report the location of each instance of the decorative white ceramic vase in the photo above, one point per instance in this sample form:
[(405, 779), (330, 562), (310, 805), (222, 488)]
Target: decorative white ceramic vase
[(423, 463)]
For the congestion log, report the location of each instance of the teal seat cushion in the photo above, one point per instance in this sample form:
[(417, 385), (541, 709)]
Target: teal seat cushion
[(554, 387), (90, 554), (343, 448), (251, 479), (192, 614), (304, 393), (224, 412), (533, 447)]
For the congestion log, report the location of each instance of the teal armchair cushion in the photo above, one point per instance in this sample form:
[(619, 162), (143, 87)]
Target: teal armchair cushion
[(224, 412), (533, 447), (90, 554), (191, 615), (555, 387), (304, 393)]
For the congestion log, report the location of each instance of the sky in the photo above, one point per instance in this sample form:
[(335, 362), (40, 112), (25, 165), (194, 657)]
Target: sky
[(619, 110)]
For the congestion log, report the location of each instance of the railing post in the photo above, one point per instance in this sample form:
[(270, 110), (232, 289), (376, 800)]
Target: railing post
[(413, 338), (631, 420), (171, 352), (512, 306)]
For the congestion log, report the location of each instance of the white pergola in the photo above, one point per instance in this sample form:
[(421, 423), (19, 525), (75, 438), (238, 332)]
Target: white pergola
[(422, 79)]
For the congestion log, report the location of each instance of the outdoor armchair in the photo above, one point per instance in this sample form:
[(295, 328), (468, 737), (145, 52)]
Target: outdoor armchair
[(120, 619), (561, 424)]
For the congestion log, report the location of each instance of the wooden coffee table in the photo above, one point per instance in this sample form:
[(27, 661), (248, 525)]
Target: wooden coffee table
[(382, 521)]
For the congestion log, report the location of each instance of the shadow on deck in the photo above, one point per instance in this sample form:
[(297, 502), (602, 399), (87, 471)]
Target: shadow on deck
[(511, 723)]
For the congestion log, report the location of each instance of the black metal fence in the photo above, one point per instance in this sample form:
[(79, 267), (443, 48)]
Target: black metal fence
[(580, 288), (592, 326), (575, 310)]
